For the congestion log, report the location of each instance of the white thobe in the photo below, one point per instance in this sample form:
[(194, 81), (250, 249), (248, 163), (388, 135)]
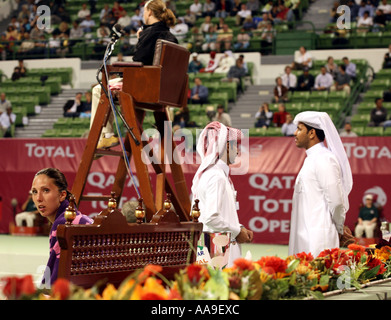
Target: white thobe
[(218, 205), (318, 213)]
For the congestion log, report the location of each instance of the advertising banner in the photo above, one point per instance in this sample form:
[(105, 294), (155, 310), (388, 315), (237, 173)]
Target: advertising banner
[(265, 187)]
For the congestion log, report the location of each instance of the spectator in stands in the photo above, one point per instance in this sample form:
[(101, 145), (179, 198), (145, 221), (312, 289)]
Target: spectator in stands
[(86, 106), (244, 63), (16, 75), (280, 91), (7, 119), (235, 74), (117, 8), (124, 19), (189, 18), (242, 14), (209, 8), (323, 81), (350, 67), (263, 23), (199, 93), (76, 33), (196, 8), (12, 34), (288, 128), (333, 12), (170, 5), (289, 79), (367, 219), (379, 21), (74, 107), (342, 81), (27, 44), (83, 12), (195, 65), (88, 24), (28, 214), (104, 13), (136, 20), (22, 68), (223, 8), (304, 59), (224, 38), (36, 33), (253, 6), (267, 37), (181, 117), (279, 117), (206, 24), (111, 20), (347, 132), (378, 114), (268, 6), (180, 30), (195, 40), (264, 116), (364, 23), (222, 117), (306, 81), (51, 197), (387, 59), (212, 63), (59, 14), (225, 62), (242, 40), (386, 8), (331, 67), (366, 6)]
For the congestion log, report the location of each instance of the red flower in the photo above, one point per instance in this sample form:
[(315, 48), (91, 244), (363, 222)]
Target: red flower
[(374, 262), (61, 288), (243, 264), (304, 256), (273, 264), (356, 247), (15, 287), (195, 272), (174, 295)]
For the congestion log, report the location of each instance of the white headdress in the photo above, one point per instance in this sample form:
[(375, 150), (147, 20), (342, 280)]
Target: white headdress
[(322, 121), (212, 142)]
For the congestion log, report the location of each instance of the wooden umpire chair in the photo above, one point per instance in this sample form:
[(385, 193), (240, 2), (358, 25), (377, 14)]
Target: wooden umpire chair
[(155, 87), (110, 249)]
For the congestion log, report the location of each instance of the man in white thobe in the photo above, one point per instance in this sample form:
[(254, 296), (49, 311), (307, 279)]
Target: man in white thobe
[(320, 198), (213, 187)]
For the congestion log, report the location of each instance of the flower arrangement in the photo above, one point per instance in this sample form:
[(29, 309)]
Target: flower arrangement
[(269, 278)]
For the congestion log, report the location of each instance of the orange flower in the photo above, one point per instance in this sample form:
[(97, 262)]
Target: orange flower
[(356, 248), (15, 287), (61, 289), (153, 290), (149, 270), (383, 253)]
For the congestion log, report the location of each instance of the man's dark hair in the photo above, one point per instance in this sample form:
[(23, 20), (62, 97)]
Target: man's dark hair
[(319, 133)]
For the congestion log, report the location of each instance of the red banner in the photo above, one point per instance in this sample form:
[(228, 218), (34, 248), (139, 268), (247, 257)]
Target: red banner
[(264, 191)]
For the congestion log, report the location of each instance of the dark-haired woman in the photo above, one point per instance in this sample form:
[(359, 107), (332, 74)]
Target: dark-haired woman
[(50, 195)]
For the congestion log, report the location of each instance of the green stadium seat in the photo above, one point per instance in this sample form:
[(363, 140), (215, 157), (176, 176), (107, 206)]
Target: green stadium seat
[(380, 84), (359, 130), (365, 107), (383, 74), (318, 96), (337, 96), (219, 98), (373, 131), (50, 133), (257, 132), (371, 95), (300, 96), (274, 132), (360, 120), (387, 131), (63, 123)]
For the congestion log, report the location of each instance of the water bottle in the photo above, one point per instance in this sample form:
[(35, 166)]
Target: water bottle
[(386, 234)]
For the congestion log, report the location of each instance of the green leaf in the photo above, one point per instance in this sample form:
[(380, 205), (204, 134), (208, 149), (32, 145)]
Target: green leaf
[(369, 274), (324, 280), (292, 265), (217, 285)]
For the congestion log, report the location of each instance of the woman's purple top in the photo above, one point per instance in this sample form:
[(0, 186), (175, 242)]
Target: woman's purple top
[(54, 255)]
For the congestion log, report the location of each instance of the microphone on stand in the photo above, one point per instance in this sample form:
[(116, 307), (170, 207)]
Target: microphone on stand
[(116, 32)]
